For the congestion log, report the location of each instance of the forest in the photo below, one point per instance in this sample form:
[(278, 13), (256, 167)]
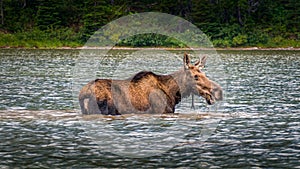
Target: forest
[(228, 23)]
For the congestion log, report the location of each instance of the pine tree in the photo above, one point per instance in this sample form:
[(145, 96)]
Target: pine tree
[(49, 14)]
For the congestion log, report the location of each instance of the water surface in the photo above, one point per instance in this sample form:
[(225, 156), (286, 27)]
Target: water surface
[(257, 125)]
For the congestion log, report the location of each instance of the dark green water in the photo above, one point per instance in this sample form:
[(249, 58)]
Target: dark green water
[(256, 126)]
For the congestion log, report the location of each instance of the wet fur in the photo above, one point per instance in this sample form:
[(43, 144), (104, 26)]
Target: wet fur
[(147, 92)]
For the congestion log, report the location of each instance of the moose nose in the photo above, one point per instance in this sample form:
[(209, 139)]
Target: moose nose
[(217, 91)]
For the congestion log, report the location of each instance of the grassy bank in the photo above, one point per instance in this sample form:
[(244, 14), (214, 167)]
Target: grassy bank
[(40, 39), (68, 38)]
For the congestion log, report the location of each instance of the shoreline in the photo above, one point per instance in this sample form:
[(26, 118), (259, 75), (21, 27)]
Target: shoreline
[(163, 48)]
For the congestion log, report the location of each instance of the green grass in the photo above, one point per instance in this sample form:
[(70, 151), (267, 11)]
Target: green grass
[(68, 38), (40, 39)]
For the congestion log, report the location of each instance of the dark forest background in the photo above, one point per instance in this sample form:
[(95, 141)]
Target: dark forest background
[(228, 23)]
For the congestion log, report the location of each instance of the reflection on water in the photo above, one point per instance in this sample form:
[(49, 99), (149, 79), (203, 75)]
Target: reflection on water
[(258, 125)]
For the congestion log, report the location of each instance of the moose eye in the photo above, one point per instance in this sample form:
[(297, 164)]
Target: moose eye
[(196, 77)]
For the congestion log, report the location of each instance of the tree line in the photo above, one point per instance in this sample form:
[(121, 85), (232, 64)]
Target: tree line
[(228, 23)]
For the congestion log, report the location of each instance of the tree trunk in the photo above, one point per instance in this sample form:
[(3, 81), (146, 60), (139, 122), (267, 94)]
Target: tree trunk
[(1, 12), (24, 4), (240, 16)]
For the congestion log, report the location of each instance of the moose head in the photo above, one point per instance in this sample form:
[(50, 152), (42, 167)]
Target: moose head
[(197, 83)]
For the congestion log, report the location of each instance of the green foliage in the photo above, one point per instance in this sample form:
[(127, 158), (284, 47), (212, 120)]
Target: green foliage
[(152, 40), (228, 23), (97, 14), (40, 39), (48, 16), (222, 43), (239, 40)]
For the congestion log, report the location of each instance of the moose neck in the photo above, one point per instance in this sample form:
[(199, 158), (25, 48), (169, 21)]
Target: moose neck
[(177, 85)]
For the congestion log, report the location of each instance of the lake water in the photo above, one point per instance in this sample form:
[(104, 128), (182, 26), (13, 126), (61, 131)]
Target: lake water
[(256, 126)]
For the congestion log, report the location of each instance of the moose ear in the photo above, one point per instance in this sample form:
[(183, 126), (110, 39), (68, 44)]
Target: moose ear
[(203, 60), (186, 61), (201, 63)]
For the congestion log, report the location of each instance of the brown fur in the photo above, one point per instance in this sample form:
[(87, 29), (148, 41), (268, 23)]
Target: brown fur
[(147, 92)]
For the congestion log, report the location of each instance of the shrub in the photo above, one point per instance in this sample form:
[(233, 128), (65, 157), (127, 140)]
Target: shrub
[(239, 40), (221, 43)]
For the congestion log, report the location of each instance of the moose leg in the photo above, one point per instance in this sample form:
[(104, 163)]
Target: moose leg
[(89, 105), (113, 111), (103, 107), (193, 105), (107, 107)]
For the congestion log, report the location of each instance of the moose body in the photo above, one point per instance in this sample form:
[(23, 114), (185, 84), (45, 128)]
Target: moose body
[(147, 92)]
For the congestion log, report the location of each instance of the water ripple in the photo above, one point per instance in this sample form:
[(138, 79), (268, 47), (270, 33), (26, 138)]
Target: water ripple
[(257, 126)]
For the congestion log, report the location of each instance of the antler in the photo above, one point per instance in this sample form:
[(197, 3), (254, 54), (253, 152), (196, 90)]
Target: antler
[(201, 62)]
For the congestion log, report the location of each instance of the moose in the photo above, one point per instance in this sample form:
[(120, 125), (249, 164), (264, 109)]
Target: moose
[(147, 92)]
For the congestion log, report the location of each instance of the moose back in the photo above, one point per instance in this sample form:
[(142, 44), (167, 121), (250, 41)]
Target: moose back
[(147, 92)]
